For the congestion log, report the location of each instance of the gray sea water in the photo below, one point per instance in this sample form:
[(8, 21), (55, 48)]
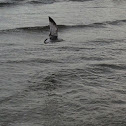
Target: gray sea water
[(78, 82)]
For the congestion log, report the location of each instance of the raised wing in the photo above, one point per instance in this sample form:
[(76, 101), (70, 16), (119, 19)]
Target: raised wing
[(53, 29)]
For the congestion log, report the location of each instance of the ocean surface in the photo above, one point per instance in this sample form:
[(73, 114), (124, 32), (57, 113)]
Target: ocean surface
[(80, 81)]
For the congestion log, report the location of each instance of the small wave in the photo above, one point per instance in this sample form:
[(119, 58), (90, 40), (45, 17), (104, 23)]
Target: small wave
[(118, 102), (6, 4), (41, 1), (30, 61), (80, 0), (7, 44), (93, 58), (63, 27), (113, 66), (115, 22), (120, 91), (16, 2), (9, 3), (52, 1), (32, 29), (46, 28)]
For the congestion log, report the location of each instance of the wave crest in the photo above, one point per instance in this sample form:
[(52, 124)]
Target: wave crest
[(63, 27)]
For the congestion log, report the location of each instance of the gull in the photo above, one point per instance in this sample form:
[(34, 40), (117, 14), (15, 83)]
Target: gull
[(53, 35)]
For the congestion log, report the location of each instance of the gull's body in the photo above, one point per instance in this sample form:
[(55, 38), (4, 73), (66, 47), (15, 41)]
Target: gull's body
[(53, 35)]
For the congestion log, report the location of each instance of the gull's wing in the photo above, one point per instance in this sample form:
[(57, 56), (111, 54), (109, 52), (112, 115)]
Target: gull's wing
[(53, 28)]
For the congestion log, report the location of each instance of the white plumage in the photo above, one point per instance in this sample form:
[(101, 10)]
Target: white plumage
[(53, 35)]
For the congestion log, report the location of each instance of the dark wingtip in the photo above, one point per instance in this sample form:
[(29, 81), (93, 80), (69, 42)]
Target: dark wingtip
[(45, 41), (51, 20)]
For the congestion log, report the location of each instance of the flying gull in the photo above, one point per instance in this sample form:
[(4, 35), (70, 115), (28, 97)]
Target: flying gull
[(53, 35)]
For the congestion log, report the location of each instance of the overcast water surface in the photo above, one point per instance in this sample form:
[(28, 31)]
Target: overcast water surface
[(80, 81)]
